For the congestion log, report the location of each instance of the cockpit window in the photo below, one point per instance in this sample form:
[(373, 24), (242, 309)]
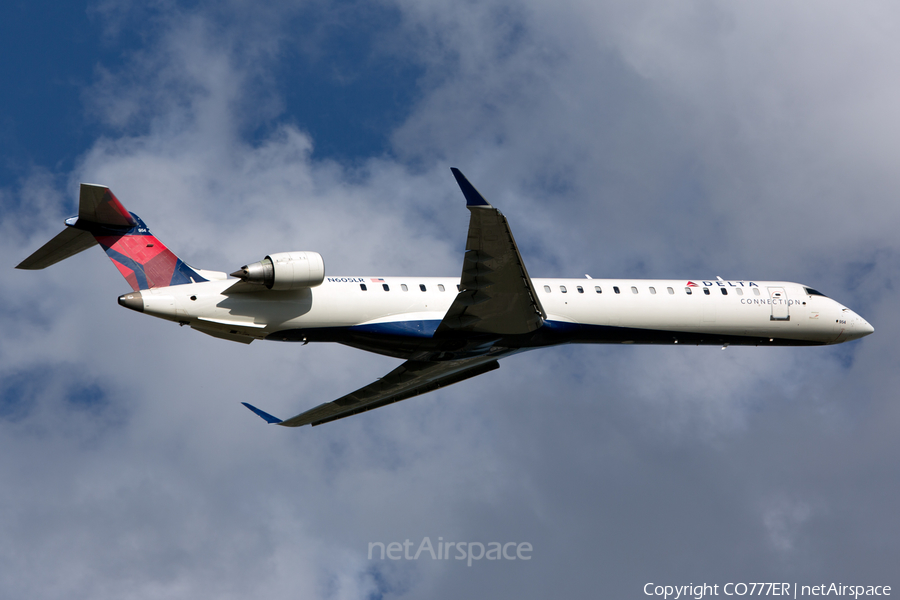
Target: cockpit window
[(813, 292)]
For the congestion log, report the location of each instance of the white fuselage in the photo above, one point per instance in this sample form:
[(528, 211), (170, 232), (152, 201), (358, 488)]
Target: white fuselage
[(625, 310)]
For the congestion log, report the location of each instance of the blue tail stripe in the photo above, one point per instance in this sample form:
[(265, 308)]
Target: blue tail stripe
[(131, 264)]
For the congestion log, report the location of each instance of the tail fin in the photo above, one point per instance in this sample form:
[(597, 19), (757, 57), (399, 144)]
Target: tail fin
[(143, 260)]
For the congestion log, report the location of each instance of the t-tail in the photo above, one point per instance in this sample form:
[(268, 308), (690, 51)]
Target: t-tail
[(141, 258)]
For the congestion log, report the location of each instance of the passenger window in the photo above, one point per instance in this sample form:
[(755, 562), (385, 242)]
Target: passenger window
[(440, 287), (362, 286), (652, 290), (580, 290), (670, 290), (547, 288), (724, 291), (403, 287), (756, 291), (597, 289), (385, 286), (562, 288), (706, 291), (739, 291), (422, 286), (687, 291), (616, 289), (633, 290)]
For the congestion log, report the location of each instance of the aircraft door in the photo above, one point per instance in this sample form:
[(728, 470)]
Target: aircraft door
[(780, 304)]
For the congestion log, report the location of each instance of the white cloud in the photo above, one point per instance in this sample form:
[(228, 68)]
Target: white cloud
[(656, 140), (783, 520)]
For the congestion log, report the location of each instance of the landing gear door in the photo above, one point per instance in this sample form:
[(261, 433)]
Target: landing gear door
[(780, 305)]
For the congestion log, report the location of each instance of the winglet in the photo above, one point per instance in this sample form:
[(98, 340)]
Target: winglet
[(266, 416), (473, 197)]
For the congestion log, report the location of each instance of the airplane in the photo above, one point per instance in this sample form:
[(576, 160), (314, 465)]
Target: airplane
[(446, 329)]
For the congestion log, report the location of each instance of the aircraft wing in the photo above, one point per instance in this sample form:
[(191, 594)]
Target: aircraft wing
[(409, 379), (496, 297), (496, 294)]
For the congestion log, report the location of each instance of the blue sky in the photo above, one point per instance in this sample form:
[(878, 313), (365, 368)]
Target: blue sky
[(50, 57), (746, 140), (351, 102)]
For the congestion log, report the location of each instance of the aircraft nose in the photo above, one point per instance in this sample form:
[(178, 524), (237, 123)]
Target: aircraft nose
[(865, 328), (858, 327)]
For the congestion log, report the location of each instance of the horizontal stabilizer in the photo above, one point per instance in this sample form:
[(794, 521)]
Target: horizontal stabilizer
[(68, 243), (266, 416), (96, 206)]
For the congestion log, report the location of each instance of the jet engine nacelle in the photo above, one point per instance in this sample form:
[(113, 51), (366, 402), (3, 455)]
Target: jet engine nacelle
[(285, 271)]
